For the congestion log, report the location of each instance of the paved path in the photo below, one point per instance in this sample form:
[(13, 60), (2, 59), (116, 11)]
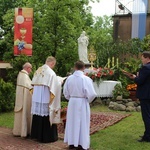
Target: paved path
[(9, 142)]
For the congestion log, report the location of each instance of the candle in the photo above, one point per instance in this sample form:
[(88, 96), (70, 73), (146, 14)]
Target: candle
[(108, 63), (117, 63), (113, 62)]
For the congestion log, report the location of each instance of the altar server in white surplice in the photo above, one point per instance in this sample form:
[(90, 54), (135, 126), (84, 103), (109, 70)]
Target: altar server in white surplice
[(79, 90), (22, 118), (45, 103)]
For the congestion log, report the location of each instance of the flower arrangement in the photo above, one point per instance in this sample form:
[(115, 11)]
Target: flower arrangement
[(100, 73), (131, 86)]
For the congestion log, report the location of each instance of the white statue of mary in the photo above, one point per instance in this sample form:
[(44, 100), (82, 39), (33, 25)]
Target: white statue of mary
[(83, 42)]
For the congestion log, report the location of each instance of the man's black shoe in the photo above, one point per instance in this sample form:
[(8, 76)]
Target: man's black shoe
[(72, 147), (141, 136), (80, 147), (143, 140)]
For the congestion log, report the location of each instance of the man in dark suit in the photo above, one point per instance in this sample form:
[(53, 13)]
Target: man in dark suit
[(142, 79)]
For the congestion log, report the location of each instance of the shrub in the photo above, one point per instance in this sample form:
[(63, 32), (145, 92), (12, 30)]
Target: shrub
[(64, 104), (17, 64), (7, 96), (120, 90)]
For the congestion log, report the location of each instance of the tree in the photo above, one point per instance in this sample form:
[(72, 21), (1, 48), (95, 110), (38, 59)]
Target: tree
[(101, 39), (57, 25), (6, 23), (56, 30)]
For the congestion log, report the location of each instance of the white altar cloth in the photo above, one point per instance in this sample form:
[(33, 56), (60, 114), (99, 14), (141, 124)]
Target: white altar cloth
[(105, 88)]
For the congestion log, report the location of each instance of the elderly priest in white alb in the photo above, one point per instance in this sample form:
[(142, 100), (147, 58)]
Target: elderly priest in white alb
[(22, 118), (79, 90), (45, 103)]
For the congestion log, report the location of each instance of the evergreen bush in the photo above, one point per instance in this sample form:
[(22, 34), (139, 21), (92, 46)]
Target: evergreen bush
[(7, 96)]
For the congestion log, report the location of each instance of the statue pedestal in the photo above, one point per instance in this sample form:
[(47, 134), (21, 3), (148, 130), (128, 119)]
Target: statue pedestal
[(87, 65)]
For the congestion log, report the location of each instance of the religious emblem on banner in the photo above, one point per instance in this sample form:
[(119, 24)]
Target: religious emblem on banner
[(23, 31)]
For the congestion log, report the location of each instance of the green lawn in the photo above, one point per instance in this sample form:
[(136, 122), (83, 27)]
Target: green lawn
[(7, 119), (121, 136)]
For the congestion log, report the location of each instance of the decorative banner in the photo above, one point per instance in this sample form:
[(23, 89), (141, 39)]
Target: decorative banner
[(139, 14), (23, 31)]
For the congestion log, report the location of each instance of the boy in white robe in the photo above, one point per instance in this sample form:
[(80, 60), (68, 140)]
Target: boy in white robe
[(22, 110), (79, 90)]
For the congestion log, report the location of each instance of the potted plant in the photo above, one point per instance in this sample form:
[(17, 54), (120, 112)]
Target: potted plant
[(132, 90)]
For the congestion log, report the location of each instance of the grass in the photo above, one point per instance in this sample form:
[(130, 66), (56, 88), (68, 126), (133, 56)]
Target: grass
[(121, 136), (7, 119)]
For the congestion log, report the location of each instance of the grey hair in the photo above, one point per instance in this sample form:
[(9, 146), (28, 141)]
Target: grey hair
[(26, 65), (50, 59)]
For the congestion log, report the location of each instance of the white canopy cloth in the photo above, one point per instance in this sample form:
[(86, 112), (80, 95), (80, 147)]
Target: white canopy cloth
[(105, 88)]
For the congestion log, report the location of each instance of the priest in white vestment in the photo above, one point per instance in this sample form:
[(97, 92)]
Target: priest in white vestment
[(45, 103), (79, 90), (22, 110)]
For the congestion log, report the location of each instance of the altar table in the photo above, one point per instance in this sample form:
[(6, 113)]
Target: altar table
[(105, 88)]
